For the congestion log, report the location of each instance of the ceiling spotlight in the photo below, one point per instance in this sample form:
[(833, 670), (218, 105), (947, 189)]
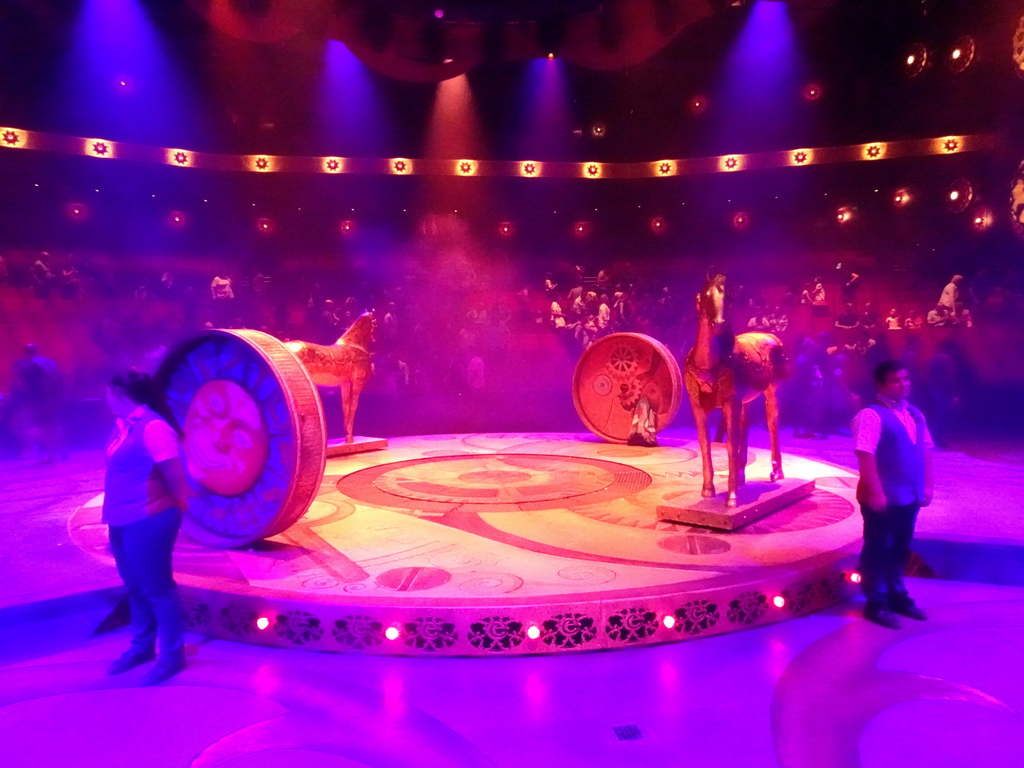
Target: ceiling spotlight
[(962, 55), (959, 195), (844, 215), (901, 197)]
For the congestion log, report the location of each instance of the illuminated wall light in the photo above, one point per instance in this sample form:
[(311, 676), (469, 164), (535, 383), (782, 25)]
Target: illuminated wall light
[(261, 163), (466, 167), (533, 632), (779, 601), (178, 157), (264, 226), (347, 227), (801, 157), (505, 228), (741, 220), (591, 170), (813, 92), (901, 197), (581, 228), (98, 147), (669, 621), (959, 195), (598, 130), (916, 60), (551, 56), (844, 215), (400, 166), (698, 105), (176, 219), (657, 225), (529, 168), (664, 168), (874, 151), (948, 145), (392, 633), (856, 578), (333, 165), (77, 211), (730, 162), (12, 138), (982, 220), (262, 623), (962, 55)]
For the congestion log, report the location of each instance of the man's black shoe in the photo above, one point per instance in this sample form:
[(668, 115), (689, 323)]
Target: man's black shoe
[(882, 617), (909, 609)]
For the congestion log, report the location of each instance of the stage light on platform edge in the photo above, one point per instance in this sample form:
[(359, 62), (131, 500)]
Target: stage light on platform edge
[(533, 632), (262, 622), (669, 621), (391, 633), (855, 578), (779, 601)]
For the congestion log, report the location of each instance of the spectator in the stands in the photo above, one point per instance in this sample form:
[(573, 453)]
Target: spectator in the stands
[(848, 320), (892, 320), (915, 321), (939, 316), (951, 295), (759, 321), (869, 318), (604, 315), (778, 320), (221, 288), (849, 281), (42, 275)]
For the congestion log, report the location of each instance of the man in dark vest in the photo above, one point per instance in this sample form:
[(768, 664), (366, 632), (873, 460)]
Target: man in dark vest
[(893, 449)]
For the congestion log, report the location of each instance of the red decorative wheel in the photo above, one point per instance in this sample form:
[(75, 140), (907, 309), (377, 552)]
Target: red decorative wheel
[(614, 373)]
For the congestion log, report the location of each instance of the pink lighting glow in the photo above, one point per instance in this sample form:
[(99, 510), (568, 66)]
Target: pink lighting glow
[(779, 601), (391, 633), (262, 623), (533, 632), (669, 621), (855, 578)]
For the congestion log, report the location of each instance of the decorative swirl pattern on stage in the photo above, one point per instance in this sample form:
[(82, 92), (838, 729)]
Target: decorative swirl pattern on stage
[(800, 597), (491, 583), (238, 620), (430, 634), (496, 634), (748, 608), (631, 625), (586, 573), (358, 632), (696, 617), (568, 630), (298, 627), (197, 614)]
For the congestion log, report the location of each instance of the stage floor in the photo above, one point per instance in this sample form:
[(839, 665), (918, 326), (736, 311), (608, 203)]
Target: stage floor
[(516, 543)]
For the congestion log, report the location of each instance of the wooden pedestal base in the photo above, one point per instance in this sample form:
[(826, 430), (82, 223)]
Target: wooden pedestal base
[(338, 446), (754, 500)]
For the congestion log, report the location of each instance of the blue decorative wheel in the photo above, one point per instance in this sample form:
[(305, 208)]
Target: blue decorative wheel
[(255, 441)]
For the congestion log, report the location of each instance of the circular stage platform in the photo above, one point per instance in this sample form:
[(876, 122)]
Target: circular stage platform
[(493, 544)]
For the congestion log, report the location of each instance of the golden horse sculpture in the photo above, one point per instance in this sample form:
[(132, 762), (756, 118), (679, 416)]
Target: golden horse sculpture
[(727, 372), (344, 364)]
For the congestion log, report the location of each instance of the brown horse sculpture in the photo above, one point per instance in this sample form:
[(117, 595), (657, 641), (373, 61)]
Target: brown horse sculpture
[(344, 364), (728, 372)]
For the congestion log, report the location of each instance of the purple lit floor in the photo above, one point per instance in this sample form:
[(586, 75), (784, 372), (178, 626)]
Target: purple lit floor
[(814, 692)]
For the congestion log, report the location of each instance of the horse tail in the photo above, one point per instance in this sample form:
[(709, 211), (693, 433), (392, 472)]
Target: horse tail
[(355, 333), (780, 361)]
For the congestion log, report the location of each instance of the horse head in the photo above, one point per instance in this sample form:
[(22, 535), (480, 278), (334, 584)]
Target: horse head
[(711, 301)]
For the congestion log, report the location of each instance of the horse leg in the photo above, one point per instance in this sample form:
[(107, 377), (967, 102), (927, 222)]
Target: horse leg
[(731, 410), (700, 418), (771, 407), (347, 408), (351, 407), (741, 450)]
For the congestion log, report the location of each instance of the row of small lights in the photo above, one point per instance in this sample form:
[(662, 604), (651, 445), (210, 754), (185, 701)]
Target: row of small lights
[(533, 631), (959, 197), (15, 138)]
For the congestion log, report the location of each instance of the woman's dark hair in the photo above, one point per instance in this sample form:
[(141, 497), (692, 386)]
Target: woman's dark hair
[(142, 389)]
